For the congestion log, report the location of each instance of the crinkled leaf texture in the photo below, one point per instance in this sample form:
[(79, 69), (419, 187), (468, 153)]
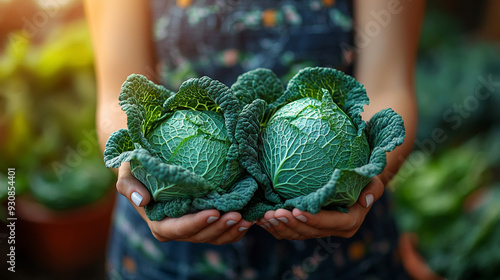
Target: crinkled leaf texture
[(313, 150), (182, 146)]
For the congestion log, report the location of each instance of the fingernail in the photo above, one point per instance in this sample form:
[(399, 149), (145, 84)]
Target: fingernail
[(274, 222), (242, 228), (136, 198), (302, 218), (212, 219), (283, 219), (369, 200), (267, 225), (230, 223)]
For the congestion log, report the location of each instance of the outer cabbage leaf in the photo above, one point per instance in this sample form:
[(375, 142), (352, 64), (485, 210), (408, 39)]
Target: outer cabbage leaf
[(118, 148), (385, 132), (166, 181), (181, 146), (255, 90), (260, 83), (142, 100), (248, 136), (345, 90)]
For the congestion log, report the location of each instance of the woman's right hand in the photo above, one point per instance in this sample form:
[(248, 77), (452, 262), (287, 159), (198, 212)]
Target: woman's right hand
[(207, 226)]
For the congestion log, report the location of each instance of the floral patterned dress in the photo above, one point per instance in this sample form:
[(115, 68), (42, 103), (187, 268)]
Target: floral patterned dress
[(223, 39)]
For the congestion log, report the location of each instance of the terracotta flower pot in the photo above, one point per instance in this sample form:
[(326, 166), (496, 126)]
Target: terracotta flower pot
[(413, 262), (63, 241)]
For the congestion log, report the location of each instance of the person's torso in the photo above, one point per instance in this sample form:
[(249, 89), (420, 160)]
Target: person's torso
[(223, 39)]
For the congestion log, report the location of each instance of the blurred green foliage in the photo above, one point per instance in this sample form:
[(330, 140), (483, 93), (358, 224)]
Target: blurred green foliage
[(47, 119), (448, 192), (457, 79), (451, 200)]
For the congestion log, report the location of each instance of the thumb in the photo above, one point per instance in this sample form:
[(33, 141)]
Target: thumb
[(130, 187), (371, 192)]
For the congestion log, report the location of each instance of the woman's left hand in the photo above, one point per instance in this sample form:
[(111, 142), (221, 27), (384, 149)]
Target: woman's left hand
[(300, 225)]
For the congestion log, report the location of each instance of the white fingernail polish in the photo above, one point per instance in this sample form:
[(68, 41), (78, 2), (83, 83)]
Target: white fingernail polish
[(283, 219), (230, 223), (242, 228), (136, 198), (369, 200), (212, 219), (274, 222), (302, 218)]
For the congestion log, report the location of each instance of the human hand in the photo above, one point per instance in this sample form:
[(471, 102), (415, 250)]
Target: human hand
[(207, 226), (300, 225)]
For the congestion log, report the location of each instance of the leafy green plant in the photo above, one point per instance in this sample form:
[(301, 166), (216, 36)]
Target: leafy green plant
[(88, 184), (450, 203), (47, 118), (459, 96), (210, 146)]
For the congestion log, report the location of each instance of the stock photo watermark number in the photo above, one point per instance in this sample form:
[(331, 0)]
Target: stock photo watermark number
[(11, 219)]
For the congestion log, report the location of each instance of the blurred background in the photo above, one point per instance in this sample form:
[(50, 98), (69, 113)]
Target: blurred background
[(64, 193), (446, 196)]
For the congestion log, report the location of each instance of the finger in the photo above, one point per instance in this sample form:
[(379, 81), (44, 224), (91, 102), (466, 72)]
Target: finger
[(130, 187), (283, 225), (288, 227), (183, 227), (325, 219), (371, 193), (263, 223), (268, 221), (297, 229), (215, 230), (345, 221), (233, 234), (300, 225), (333, 222)]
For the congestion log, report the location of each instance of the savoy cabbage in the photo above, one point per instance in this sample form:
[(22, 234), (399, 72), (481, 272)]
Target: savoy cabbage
[(313, 150), (181, 146), (255, 146)]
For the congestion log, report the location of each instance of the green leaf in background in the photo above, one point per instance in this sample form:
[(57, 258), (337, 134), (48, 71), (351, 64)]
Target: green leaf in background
[(449, 202), (80, 185), (47, 116)]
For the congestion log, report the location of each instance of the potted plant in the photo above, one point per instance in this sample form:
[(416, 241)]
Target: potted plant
[(63, 191)]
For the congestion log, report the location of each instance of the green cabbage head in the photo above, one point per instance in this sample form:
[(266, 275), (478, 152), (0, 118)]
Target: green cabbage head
[(182, 146), (306, 138), (313, 150)]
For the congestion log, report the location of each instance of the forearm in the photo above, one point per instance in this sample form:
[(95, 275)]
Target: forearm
[(385, 65), (109, 119), (403, 102), (121, 37)]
